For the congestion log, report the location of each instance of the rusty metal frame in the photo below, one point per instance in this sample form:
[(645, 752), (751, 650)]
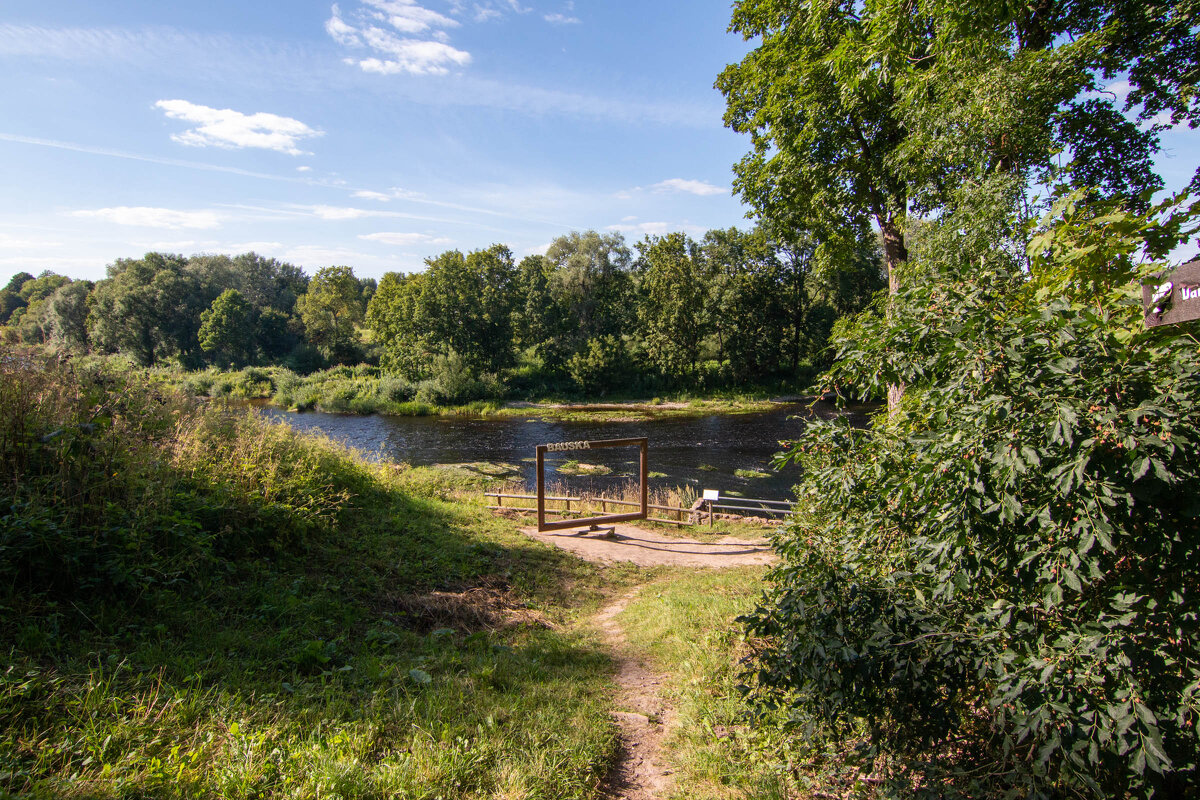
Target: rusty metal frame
[(542, 449)]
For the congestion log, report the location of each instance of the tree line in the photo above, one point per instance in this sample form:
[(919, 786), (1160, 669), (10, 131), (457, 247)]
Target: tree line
[(733, 308)]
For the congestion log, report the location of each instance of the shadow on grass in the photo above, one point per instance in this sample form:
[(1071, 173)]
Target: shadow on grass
[(417, 649)]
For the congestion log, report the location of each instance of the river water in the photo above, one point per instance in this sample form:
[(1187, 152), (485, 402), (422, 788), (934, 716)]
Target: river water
[(703, 452)]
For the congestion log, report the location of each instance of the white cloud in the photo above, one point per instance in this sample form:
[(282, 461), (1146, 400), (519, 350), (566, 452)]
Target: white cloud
[(561, 19), (700, 188), (643, 228), (1120, 88), (303, 169), (384, 197), (146, 217), (387, 28), (339, 212), (232, 129), (404, 239), (408, 17)]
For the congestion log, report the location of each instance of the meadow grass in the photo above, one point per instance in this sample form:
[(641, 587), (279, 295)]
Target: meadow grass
[(197, 603)]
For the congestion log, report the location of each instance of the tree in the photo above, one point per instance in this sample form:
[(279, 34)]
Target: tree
[(823, 123), (460, 306), (393, 318), (591, 285), (331, 309), (148, 308), (672, 316), (227, 329), (67, 312)]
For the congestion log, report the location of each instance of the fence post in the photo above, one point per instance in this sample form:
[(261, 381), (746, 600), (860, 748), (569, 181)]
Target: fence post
[(710, 513)]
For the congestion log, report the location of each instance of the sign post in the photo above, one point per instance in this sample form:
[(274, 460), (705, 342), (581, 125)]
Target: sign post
[(559, 447), (1175, 298)]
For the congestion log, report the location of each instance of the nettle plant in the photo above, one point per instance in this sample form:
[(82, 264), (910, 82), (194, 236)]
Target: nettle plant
[(995, 590)]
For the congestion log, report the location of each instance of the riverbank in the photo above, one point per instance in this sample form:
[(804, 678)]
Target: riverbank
[(364, 389), (198, 603)]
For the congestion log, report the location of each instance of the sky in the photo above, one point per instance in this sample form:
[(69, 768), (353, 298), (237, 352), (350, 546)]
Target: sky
[(370, 133)]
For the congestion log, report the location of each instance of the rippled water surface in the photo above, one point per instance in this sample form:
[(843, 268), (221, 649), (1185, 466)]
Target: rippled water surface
[(703, 452)]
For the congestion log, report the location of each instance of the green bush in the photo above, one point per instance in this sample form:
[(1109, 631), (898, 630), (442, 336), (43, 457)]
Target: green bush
[(454, 383), (994, 592), (110, 485)]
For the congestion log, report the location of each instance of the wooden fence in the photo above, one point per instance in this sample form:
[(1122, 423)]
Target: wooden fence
[(740, 506)]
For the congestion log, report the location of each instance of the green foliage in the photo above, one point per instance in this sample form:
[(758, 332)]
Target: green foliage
[(453, 382), (999, 579), (596, 369), (112, 486), (331, 309), (194, 603), (226, 329), (671, 312)]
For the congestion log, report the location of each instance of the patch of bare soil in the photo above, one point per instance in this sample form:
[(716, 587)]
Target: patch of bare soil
[(648, 549), (641, 715), (477, 608)]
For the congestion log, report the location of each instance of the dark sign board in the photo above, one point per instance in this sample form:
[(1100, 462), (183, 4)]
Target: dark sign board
[(1175, 297)]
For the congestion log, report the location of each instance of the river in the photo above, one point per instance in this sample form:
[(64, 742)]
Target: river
[(704, 452)]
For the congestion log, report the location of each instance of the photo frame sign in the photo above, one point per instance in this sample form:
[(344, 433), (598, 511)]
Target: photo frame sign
[(560, 447)]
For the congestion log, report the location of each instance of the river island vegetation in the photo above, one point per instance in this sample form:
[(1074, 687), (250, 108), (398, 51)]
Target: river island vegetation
[(736, 312)]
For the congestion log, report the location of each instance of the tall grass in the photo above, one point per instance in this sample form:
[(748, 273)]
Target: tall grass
[(197, 603)]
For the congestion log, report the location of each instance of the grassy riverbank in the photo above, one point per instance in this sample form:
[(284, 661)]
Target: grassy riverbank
[(199, 604), (365, 389)]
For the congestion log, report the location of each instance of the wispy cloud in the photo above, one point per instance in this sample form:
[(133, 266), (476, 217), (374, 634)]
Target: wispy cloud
[(561, 19), (388, 29), (384, 197), (656, 228), (147, 217), (700, 188), (404, 239), (224, 127)]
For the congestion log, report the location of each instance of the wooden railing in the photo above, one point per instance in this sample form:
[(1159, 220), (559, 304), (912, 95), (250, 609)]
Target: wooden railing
[(684, 514), (741, 506)]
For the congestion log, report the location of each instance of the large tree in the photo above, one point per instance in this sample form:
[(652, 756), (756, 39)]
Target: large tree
[(147, 308), (331, 310), (227, 329)]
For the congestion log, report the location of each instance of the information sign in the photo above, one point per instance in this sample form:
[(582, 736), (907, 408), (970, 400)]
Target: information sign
[(1175, 297)]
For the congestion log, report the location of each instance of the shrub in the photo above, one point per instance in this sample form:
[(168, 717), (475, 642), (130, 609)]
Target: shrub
[(111, 485), (997, 586)]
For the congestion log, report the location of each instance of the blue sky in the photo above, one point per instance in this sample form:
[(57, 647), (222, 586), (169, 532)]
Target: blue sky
[(372, 133)]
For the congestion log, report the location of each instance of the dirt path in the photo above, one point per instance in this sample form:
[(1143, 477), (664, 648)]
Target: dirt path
[(642, 716), (648, 549)]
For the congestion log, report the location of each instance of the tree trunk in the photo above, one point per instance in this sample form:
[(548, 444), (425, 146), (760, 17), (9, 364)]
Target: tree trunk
[(894, 254)]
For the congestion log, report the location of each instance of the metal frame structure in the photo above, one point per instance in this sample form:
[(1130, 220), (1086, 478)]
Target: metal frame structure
[(542, 449)]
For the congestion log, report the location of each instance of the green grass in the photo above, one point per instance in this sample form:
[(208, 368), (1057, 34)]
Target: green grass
[(294, 622), (684, 623), (751, 473)]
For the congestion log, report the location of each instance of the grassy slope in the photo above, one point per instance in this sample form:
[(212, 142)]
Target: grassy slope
[(407, 645)]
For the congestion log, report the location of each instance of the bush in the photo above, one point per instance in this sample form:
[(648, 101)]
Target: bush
[(110, 485), (996, 589), (454, 383)]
